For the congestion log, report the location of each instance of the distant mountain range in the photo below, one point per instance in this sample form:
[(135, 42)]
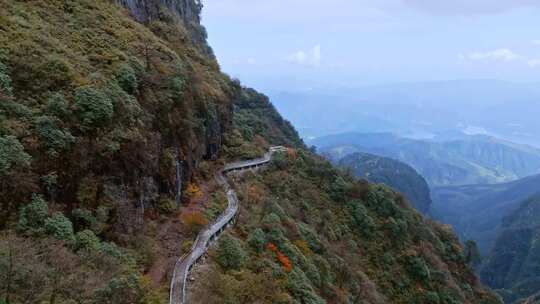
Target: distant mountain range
[(423, 108), (513, 267), (476, 211), (447, 160), (399, 176)]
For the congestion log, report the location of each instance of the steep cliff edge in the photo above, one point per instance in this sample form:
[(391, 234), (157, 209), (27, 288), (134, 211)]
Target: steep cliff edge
[(102, 116), (188, 11), (513, 266)]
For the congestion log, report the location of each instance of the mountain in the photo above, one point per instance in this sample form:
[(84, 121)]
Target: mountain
[(513, 267), (395, 174), (424, 108), (476, 211), (462, 161), (114, 120)]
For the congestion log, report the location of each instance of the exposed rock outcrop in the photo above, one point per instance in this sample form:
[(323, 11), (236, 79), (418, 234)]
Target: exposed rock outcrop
[(189, 11)]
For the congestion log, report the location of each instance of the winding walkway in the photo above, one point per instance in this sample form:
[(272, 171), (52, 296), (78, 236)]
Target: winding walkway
[(213, 230)]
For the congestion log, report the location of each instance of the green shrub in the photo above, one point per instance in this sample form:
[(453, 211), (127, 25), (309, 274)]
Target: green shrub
[(311, 238), (120, 290), (218, 204), (448, 298), (93, 108), (257, 240), (60, 227), (12, 154), (113, 250), (271, 220), (57, 105), (53, 73), (380, 199), (13, 108), (361, 219), (432, 298), (419, 268), (84, 219), (300, 287), (5, 81), (32, 217), (397, 228), (87, 240), (338, 189), (230, 254), (127, 78), (126, 107), (167, 206), (51, 135), (178, 87)]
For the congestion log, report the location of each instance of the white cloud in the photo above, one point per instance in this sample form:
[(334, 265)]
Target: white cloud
[(502, 55), (534, 63), (495, 55), (312, 57), (470, 7)]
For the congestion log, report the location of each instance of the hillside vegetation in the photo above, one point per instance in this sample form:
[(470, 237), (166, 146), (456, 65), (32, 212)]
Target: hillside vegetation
[(111, 130), (476, 211), (513, 267), (309, 234), (395, 174), (464, 161), (96, 111)]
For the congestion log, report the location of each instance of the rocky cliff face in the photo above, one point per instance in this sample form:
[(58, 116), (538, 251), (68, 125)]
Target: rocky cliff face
[(188, 11)]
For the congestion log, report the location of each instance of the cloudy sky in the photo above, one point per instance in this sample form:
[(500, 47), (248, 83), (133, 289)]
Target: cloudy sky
[(301, 44)]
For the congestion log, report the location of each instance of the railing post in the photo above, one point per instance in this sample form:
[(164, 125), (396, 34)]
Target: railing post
[(224, 220)]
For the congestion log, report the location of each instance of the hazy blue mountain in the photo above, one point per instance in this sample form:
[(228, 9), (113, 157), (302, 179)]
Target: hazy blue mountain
[(513, 266), (425, 108), (399, 176), (445, 160), (476, 211)]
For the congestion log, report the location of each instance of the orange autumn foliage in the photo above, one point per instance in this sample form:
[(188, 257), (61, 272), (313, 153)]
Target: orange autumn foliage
[(291, 153), (193, 192), (194, 220), (255, 194), (283, 259)]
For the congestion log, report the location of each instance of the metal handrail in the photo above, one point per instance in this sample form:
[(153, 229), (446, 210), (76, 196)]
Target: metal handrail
[(211, 230)]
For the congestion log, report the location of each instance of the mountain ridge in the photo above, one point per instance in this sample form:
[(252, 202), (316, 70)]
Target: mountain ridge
[(512, 266), (111, 131), (472, 160), (392, 173), (476, 211)]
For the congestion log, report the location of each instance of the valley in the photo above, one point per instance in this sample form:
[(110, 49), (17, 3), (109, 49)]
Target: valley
[(496, 210), (136, 168), (464, 161)]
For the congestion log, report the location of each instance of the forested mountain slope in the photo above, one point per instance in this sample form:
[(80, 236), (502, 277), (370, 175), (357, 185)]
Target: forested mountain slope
[(476, 211), (103, 120), (309, 234), (513, 267), (393, 173), (112, 125), (465, 161)]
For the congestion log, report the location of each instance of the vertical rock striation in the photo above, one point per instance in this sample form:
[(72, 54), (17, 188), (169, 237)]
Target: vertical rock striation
[(188, 11)]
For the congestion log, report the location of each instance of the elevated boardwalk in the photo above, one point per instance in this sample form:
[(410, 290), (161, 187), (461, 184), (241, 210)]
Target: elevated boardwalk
[(210, 233)]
